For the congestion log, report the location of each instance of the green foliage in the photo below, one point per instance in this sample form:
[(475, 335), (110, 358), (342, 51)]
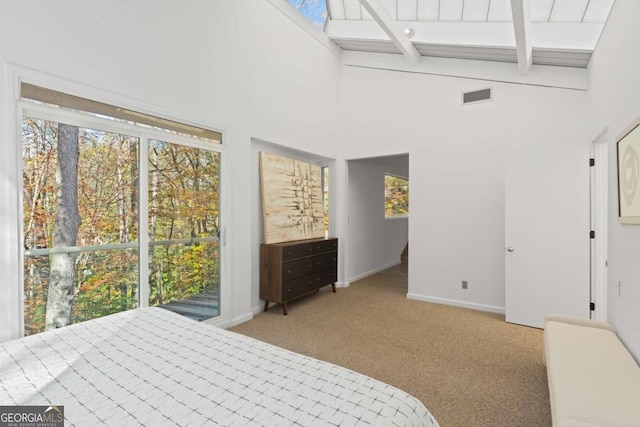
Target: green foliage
[(325, 198), (179, 271), (183, 204), (106, 283), (396, 196)]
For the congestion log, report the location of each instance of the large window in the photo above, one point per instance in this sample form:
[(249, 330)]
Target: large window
[(396, 196), (116, 216)]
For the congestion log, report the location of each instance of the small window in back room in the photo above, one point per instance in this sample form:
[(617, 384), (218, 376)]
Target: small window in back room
[(325, 199), (396, 196)]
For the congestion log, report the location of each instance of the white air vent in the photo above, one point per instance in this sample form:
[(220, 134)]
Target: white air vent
[(476, 96)]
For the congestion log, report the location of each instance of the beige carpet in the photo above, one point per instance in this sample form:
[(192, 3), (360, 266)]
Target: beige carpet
[(469, 368)]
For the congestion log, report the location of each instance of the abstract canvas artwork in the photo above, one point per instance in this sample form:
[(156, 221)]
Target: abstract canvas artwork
[(292, 205), (629, 175)]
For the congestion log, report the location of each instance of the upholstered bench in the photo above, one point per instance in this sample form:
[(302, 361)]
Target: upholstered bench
[(593, 379)]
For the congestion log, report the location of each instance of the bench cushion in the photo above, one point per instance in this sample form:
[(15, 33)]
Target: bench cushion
[(593, 379)]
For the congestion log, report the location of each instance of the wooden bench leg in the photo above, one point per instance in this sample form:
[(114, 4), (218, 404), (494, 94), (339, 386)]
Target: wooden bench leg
[(284, 308), (266, 305), (333, 286)]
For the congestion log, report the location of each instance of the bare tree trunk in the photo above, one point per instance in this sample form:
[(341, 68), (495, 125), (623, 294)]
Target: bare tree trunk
[(159, 282), (154, 195), (133, 212), (122, 209), (65, 232), (152, 223)]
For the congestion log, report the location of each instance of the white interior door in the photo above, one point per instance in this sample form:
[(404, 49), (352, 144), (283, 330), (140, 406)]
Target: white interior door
[(547, 233)]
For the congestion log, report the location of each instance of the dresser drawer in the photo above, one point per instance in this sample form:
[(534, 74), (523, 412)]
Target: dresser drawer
[(289, 270), (325, 261), (297, 251), (293, 269), (326, 277), (325, 246), (295, 287)]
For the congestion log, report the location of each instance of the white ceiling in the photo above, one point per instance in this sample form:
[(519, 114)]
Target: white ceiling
[(476, 10), (562, 32)]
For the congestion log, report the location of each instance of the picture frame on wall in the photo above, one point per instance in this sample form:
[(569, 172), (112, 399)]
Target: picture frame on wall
[(628, 152), (292, 200)]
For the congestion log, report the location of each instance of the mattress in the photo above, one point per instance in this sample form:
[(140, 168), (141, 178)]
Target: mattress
[(153, 367)]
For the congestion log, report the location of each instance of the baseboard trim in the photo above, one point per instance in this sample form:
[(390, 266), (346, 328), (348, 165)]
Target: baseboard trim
[(241, 319), (342, 284), (457, 303), (372, 272), (217, 322)]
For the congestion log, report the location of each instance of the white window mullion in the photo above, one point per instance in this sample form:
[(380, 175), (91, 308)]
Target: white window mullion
[(20, 222), (143, 222), (224, 267)]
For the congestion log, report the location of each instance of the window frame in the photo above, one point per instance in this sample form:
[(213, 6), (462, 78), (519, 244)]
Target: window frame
[(394, 175), (17, 109), (315, 32), (326, 20)]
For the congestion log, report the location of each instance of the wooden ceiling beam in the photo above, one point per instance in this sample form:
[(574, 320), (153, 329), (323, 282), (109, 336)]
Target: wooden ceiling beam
[(521, 11), (391, 27)]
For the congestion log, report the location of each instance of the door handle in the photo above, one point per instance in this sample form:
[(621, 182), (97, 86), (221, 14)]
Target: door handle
[(511, 249)]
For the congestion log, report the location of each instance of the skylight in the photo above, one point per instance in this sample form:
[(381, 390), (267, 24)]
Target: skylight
[(314, 10), (552, 32)]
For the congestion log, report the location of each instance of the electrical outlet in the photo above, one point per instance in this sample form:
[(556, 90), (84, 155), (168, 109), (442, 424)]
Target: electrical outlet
[(465, 284)]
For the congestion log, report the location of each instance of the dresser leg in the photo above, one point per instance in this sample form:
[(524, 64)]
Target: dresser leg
[(266, 305), (333, 286), (284, 308)]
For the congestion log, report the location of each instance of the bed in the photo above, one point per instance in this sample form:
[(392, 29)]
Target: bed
[(153, 367)]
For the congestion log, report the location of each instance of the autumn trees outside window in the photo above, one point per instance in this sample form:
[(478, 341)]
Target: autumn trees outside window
[(115, 215), (396, 196), (183, 222)]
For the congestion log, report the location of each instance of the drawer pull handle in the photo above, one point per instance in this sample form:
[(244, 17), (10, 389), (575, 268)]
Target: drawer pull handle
[(310, 249), (288, 252), (310, 265), (288, 271)]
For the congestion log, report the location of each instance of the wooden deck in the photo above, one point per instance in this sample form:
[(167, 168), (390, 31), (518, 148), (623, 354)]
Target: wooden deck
[(198, 307)]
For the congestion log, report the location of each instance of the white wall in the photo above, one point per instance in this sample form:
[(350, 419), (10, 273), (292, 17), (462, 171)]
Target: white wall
[(241, 66), (614, 103), (374, 243), (457, 154), (246, 68)]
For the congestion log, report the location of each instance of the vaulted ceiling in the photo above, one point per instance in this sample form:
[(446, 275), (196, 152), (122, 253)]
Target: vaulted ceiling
[(543, 32)]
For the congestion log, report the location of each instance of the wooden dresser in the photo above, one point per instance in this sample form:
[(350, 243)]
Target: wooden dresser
[(289, 270)]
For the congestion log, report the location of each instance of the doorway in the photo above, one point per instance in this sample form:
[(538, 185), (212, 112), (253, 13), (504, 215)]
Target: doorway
[(378, 214)]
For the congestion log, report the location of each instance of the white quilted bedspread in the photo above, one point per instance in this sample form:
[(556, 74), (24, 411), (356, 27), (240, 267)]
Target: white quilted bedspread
[(153, 367)]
